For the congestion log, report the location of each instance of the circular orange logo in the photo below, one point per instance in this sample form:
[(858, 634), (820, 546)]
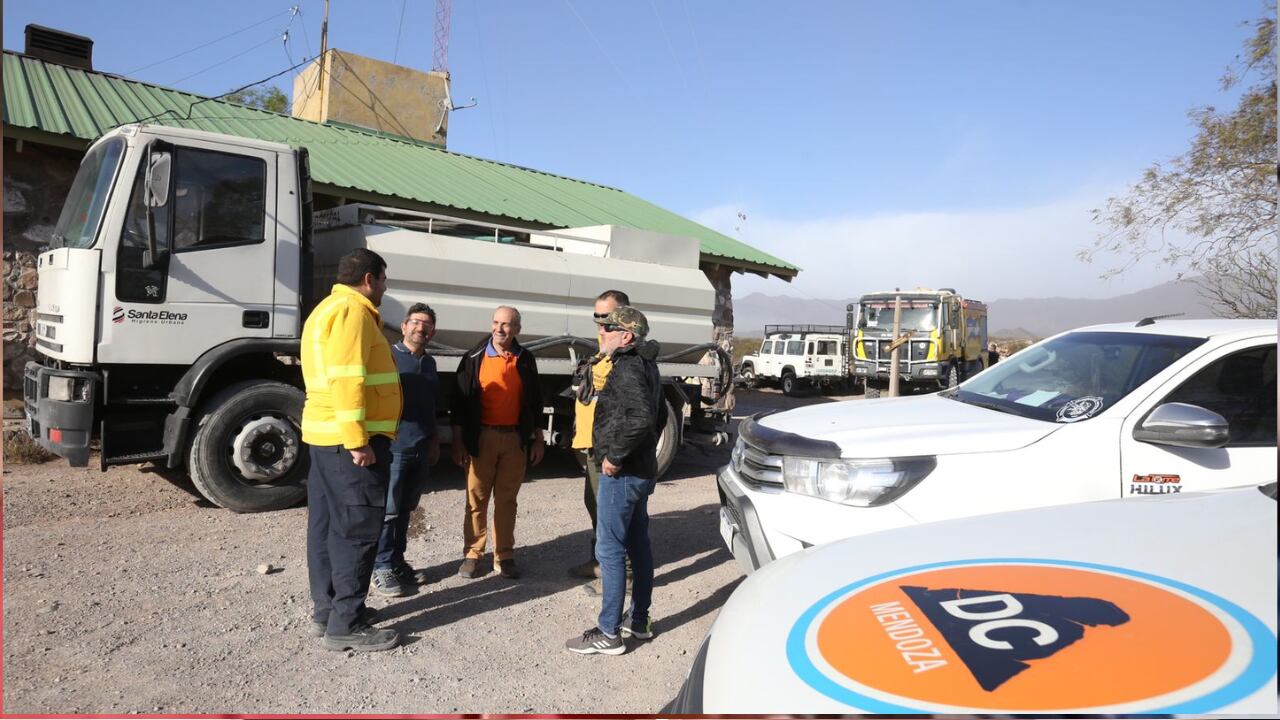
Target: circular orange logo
[(1029, 635)]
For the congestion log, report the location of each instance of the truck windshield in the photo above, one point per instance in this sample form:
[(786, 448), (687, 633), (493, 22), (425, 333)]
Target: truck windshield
[(82, 213), (1074, 377), (916, 315)]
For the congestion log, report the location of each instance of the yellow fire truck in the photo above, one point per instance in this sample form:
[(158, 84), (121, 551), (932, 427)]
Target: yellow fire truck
[(943, 338)]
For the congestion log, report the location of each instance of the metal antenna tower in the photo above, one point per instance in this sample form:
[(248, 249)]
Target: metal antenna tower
[(444, 9)]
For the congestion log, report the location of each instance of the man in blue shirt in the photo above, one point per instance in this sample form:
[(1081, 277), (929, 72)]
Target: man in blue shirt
[(413, 453)]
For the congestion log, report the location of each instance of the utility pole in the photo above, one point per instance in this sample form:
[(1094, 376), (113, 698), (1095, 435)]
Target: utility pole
[(324, 51), (895, 345)]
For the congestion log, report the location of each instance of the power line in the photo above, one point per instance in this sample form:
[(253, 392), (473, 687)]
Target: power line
[(396, 55), (608, 58), (230, 92), (233, 57), (205, 45), (305, 38)]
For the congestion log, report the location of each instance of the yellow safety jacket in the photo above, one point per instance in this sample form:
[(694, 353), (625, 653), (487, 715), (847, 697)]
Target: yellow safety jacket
[(353, 387)]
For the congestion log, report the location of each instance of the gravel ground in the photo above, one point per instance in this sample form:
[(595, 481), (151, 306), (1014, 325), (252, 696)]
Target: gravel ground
[(125, 592)]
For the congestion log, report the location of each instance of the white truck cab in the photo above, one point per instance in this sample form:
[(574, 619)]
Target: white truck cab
[(799, 357), (1111, 411)]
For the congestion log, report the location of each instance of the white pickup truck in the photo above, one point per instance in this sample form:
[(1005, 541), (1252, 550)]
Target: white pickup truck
[(1110, 411)]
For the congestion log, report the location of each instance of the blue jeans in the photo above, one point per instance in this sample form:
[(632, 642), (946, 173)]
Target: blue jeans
[(622, 529), (409, 474)]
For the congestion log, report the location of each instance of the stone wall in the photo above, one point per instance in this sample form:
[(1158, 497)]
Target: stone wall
[(36, 181)]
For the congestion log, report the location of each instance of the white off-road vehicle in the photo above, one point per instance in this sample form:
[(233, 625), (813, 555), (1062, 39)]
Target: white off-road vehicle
[(798, 357)]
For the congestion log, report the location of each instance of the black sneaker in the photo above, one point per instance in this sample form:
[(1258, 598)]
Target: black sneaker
[(364, 638), (385, 583), (409, 577), (595, 641), (368, 616), (637, 631)]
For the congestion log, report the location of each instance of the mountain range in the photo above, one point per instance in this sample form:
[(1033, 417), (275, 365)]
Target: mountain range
[(1030, 318)]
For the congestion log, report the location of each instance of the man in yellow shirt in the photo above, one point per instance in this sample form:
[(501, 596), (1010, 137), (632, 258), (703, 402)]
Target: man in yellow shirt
[(349, 419), (589, 378)]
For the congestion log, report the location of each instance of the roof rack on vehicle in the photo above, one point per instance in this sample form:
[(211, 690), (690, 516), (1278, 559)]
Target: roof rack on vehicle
[(1152, 320), (770, 329)]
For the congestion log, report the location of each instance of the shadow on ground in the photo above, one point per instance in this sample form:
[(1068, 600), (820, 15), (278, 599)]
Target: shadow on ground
[(677, 536)]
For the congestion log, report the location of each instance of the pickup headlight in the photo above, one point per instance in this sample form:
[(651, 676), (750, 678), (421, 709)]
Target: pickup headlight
[(862, 483)]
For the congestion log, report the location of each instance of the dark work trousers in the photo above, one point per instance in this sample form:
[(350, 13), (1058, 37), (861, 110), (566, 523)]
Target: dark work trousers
[(345, 507), (590, 488)]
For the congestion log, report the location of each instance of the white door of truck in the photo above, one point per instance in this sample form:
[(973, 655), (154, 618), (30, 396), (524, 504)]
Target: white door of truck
[(216, 282), (1237, 381)]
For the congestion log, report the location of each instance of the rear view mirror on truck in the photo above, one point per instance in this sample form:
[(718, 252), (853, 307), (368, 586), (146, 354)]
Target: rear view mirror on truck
[(159, 160)]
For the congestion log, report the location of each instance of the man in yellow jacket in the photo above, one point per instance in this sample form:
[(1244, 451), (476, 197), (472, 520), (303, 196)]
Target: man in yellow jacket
[(350, 417)]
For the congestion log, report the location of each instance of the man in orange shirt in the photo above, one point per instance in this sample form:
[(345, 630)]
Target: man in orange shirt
[(497, 434)]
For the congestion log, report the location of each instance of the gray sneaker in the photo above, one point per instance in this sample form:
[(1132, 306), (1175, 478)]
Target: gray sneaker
[(364, 638), (385, 583), (595, 641), (368, 616)]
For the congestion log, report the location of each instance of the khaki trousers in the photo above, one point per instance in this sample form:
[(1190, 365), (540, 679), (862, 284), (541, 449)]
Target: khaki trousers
[(498, 471)]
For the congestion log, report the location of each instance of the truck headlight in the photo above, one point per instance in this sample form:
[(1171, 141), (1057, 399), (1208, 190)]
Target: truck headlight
[(68, 389), (862, 483)]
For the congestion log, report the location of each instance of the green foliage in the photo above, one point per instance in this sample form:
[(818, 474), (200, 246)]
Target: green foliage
[(744, 346), (1221, 193), (271, 98)]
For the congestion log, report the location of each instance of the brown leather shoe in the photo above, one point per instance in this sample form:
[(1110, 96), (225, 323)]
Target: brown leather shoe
[(470, 568), (508, 569)]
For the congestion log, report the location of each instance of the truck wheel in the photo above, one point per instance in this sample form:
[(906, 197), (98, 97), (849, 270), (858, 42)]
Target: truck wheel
[(953, 376), (749, 377), (668, 440), (871, 391), (790, 386), (247, 454)]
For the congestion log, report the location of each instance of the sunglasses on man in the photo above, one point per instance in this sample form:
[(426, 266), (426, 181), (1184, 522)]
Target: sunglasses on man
[(601, 316), (613, 328)]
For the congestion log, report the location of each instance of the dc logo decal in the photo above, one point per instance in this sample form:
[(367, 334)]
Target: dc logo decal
[(117, 315), (1079, 409), (1029, 635)]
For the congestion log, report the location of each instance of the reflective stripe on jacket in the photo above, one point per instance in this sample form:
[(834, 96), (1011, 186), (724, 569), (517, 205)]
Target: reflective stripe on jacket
[(353, 387)]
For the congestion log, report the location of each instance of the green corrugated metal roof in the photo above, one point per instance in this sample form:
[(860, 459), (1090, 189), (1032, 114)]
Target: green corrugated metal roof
[(67, 101)]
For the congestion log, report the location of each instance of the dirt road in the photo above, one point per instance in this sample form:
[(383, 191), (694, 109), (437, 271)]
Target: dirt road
[(124, 592)]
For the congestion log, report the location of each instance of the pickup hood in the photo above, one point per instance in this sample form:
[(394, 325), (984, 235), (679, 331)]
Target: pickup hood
[(908, 426)]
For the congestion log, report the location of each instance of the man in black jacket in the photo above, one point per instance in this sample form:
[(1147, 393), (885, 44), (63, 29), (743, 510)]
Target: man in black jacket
[(625, 442), (496, 435)]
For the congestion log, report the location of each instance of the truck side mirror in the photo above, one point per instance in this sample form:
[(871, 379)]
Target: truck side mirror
[(1183, 425), (158, 164), (156, 195)]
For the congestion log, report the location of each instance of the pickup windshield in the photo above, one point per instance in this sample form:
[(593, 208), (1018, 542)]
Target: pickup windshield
[(82, 213), (916, 315), (1074, 377)]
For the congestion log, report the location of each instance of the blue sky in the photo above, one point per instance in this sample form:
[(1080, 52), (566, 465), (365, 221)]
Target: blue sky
[(876, 144)]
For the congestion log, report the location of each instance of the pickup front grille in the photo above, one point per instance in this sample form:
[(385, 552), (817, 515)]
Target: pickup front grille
[(756, 467)]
